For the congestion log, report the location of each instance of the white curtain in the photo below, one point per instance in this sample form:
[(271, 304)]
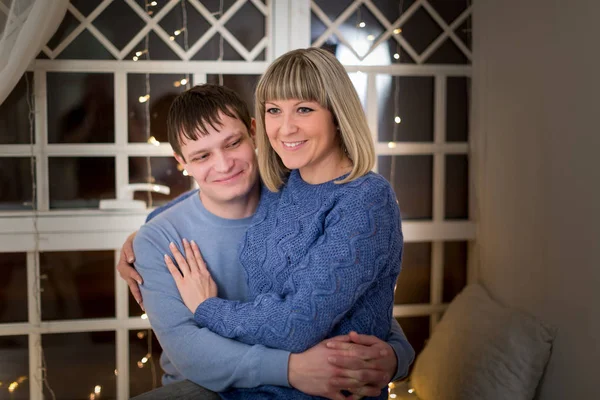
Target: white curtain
[(25, 27)]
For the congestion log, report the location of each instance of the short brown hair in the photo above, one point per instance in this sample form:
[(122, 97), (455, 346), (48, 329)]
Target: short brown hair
[(200, 105), (315, 75)]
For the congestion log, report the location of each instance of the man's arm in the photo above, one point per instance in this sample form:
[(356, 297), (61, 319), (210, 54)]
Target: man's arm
[(197, 353), (405, 354)]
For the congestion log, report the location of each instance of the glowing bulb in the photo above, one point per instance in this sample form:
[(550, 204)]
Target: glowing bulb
[(1, 383), (184, 81), (177, 32), (92, 396), (21, 379), (144, 316), (171, 37), (144, 99), (362, 25), (370, 38), (141, 335), (13, 386), (391, 385), (135, 58), (153, 4), (140, 365), (97, 389), (176, 83), (411, 390), (185, 173), (397, 31), (397, 56), (397, 120), (392, 395), (144, 360), (152, 140), (138, 53), (116, 372), (392, 145)]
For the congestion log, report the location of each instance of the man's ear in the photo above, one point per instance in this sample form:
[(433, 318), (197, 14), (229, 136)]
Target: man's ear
[(179, 159)]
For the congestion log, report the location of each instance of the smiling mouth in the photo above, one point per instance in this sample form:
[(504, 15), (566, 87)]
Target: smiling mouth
[(293, 145), (229, 178)]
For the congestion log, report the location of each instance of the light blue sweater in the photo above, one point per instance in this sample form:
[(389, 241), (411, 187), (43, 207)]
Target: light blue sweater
[(322, 260)]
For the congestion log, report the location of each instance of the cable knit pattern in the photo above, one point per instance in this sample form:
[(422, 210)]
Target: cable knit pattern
[(321, 260)]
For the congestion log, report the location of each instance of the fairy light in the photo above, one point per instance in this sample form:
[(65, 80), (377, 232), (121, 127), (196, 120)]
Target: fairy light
[(391, 145), (397, 31), (141, 335), (391, 385), (152, 140), (143, 99), (92, 396), (185, 173), (370, 38), (13, 386), (153, 4), (397, 119), (392, 395), (97, 389), (396, 56), (362, 24), (181, 82), (116, 372), (411, 390), (144, 316)]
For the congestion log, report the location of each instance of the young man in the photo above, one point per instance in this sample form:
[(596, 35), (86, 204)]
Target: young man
[(211, 133)]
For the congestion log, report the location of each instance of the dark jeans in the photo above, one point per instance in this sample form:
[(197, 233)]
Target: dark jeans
[(184, 390)]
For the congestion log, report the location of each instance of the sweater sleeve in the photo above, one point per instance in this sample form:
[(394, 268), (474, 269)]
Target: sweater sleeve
[(200, 355), (405, 354), (358, 251)]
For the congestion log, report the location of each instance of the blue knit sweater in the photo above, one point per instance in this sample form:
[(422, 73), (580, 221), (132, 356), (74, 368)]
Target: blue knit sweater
[(321, 260)]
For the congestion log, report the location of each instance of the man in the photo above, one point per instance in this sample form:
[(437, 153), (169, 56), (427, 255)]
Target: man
[(211, 133)]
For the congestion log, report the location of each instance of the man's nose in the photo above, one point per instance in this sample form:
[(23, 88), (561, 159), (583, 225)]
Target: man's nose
[(223, 162)]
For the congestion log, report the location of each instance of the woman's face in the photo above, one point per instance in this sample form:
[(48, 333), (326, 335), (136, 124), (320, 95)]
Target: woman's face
[(304, 135)]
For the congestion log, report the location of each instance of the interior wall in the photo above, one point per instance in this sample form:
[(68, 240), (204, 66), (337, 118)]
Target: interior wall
[(536, 129)]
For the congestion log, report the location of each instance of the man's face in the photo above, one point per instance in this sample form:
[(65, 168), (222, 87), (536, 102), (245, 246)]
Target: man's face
[(223, 163)]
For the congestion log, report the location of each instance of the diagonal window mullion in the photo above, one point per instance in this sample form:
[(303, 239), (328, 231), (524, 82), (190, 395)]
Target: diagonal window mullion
[(69, 39), (261, 7), (260, 46), (448, 31), (87, 23), (152, 24), (332, 26), (390, 28)]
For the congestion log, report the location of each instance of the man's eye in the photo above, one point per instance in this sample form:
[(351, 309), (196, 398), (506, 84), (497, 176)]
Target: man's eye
[(200, 158), (236, 143)]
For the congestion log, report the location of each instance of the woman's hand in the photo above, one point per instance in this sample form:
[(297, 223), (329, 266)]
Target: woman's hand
[(194, 281)]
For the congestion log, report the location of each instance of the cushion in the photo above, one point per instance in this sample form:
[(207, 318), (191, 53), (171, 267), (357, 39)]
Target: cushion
[(482, 350)]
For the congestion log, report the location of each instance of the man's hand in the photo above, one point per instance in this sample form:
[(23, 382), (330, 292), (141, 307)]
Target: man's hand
[(367, 364), (359, 364), (128, 272)]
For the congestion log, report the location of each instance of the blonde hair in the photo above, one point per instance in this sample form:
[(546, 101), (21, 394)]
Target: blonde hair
[(313, 75)]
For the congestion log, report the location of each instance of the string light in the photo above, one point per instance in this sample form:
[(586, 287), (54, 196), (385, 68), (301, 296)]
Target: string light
[(391, 385), (396, 56), (397, 119), (362, 24), (392, 145), (397, 31), (13, 386), (152, 140), (411, 390), (181, 82), (144, 316), (116, 372), (92, 396), (141, 335), (185, 173), (153, 4), (392, 395), (370, 38), (176, 33), (144, 99)]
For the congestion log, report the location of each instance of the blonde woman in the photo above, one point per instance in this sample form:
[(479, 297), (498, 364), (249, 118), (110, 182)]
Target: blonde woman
[(323, 252)]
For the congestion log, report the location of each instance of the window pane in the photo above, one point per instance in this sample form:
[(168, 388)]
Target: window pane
[(163, 90), (243, 85), (416, 330), (411, 100), (16, 188), (119, 23), (457, 186), (412, 179), (88, 358), (143, 376), (13, 288), (80, 182), (457, 109), (420, 30), (14, 114), (80, 108), (414, 282), (14, 367), (455, 269), (164, 171), (77, 284)]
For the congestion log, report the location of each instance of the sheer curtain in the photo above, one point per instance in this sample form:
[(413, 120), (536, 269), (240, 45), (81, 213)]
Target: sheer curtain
[(25, 27)]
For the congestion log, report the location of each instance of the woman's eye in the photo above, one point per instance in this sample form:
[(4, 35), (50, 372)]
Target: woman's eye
[(273, 110), (304, 110)]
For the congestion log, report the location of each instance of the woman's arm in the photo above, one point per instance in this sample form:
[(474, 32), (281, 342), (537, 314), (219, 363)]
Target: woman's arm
[(352, 267)]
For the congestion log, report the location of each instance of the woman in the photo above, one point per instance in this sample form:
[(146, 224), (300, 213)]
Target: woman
[(323, 253)]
